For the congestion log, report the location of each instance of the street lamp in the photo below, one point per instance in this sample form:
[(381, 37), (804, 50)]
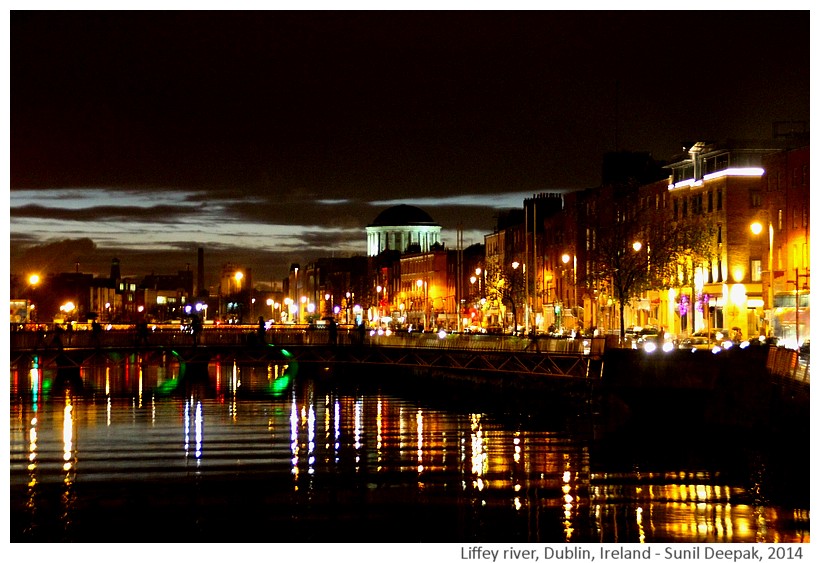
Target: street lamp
[(289, 303), (565, 259), (757, 228), (67, 308), (33, 280), (419, 284)]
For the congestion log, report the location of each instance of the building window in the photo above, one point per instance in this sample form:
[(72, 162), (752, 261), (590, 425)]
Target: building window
[(720, 234), (697, 204), (754, 199), (675, 209), (709, 202), (720, 200), (756, 269)]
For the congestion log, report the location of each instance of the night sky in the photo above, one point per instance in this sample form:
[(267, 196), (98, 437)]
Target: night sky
[(276, 137)]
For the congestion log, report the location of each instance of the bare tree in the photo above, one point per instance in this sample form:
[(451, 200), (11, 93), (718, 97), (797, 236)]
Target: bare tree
[(640, 247), (505, 284)]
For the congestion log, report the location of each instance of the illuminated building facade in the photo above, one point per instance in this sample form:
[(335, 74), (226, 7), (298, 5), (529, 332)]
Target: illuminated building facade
[(402, 227), (728, 184)]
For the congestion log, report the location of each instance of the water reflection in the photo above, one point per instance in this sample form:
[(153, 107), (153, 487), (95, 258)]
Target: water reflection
[(306, 458)]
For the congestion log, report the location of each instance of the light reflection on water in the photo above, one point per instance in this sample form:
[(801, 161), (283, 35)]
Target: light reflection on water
[(260, 455)]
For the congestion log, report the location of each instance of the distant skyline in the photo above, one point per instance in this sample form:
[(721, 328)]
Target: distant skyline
[(275, 137)]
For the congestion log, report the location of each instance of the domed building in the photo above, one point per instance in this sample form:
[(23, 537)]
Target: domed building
[(399, 227)]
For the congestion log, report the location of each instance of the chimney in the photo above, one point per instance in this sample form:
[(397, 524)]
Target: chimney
[(201, 291), (115, 269)]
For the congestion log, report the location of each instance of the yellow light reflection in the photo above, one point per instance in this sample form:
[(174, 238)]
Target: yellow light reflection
[(357, 430), (379, 435), (311, 440), (294, 439), (186, 425), (198, 431), (420, 440), (639, 521), (68, 432), (32, 444), (337, 430), (478, 458)]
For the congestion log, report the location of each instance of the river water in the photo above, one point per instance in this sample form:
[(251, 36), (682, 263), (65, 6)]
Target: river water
[(281, 453)]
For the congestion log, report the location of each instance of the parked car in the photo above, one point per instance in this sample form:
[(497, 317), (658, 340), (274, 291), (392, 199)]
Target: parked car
[(641, 335), (695, 343), (715, 335)]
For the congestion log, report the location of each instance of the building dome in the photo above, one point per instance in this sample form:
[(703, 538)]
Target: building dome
[(402, 215), (402, 227)]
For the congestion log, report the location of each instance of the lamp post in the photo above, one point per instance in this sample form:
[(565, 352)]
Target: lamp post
[(756, 229), (289, 303), (514, 265), (419, 284), (33, 280), (565, 259)]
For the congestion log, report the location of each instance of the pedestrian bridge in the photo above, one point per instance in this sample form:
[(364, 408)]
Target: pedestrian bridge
[(559, 357)]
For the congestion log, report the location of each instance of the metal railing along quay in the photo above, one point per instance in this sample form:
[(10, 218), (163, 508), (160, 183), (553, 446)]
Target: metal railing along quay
[(294, 335), (781, 363)]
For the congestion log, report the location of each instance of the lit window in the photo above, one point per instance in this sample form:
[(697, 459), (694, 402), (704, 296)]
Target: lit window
[(757, 269)]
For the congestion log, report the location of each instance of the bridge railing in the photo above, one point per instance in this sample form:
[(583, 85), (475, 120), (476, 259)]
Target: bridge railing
[(32, 340)]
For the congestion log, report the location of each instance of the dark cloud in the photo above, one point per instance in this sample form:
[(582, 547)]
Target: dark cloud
[(54, 256), (108, 213)]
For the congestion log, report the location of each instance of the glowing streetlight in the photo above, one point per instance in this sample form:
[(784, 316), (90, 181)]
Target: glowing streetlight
[(757, 228), (67, 308), (419, 284), (565, 258), (33, 280)]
